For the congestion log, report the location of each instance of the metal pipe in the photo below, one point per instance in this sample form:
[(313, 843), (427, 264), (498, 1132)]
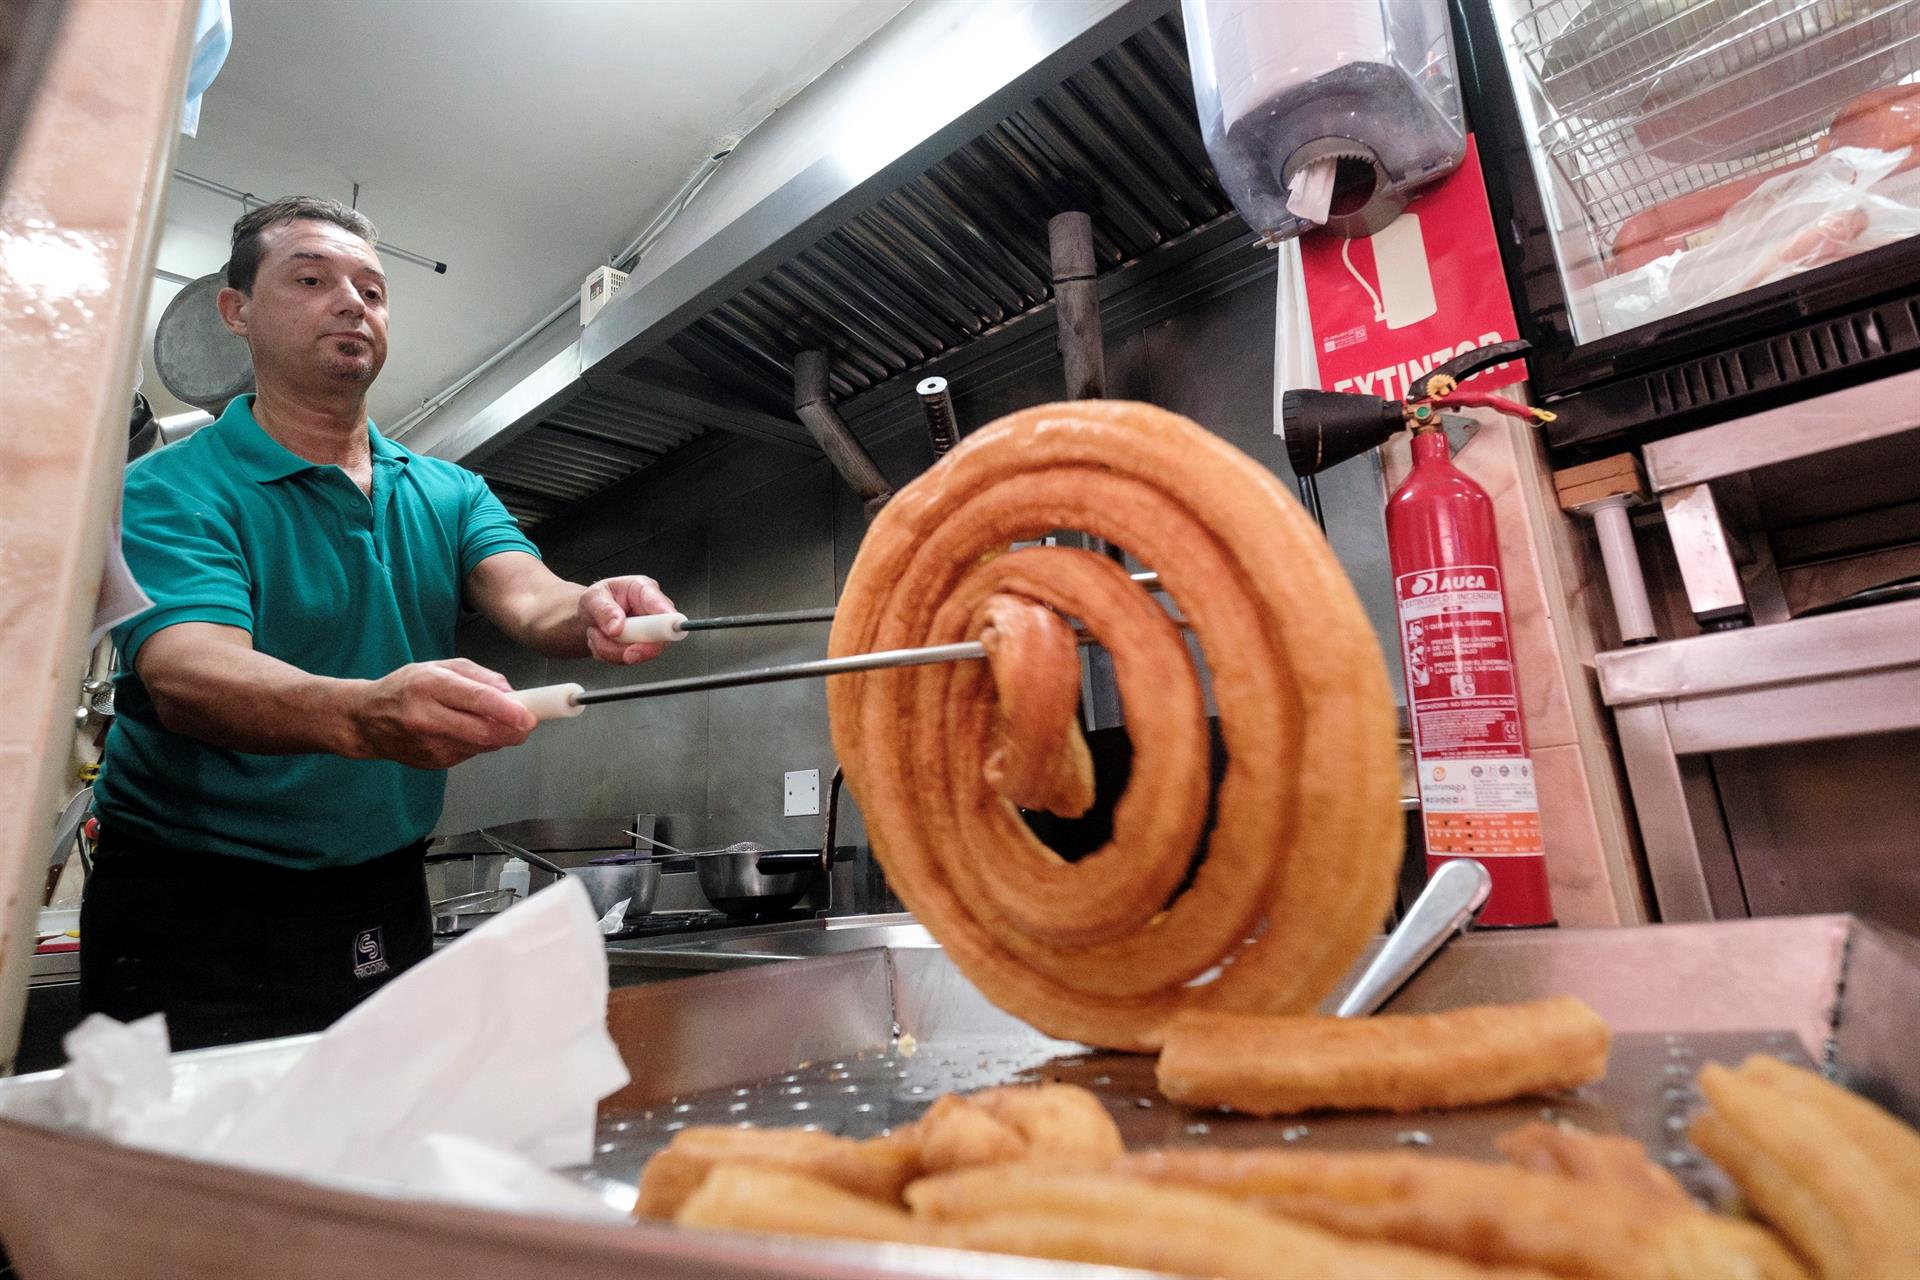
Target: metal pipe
[(1076, 305), (247, 199), (937, 403), (1076, 312), (813, 405), (1625, 582), (1310, 499)]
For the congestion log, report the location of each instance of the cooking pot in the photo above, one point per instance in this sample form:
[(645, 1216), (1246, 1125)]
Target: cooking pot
[(607, 886), (606, 881), (750, 879), (466, 911)]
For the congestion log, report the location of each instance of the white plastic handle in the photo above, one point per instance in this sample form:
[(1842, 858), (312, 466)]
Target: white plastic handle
[(654, 628), (550, 702)]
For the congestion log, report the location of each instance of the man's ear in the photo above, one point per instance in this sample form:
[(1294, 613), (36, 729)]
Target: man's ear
[(233, 306)]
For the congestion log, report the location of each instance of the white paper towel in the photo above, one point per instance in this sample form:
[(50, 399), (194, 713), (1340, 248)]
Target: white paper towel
[(468, 1077)]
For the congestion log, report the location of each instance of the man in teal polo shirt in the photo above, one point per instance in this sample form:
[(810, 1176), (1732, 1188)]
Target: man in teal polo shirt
[(290, 704)]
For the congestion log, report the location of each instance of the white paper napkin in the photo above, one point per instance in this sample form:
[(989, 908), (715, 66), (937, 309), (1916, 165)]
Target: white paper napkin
[(468, 1077)]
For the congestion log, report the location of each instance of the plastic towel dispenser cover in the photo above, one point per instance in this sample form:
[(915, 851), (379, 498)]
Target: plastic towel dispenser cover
[(1337, 108)]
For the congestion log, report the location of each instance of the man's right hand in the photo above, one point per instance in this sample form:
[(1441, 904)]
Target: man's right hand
[(433, 715)]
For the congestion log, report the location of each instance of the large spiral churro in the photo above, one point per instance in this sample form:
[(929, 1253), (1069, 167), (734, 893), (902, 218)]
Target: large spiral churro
[(1300, 864)]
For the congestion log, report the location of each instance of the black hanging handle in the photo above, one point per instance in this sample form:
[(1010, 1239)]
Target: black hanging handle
[(1462, 367)]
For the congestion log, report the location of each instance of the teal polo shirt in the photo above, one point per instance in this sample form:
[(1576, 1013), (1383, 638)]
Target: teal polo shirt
[(229, 526)]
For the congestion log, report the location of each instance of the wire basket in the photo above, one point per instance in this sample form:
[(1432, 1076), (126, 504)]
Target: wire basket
[(1652, 99)]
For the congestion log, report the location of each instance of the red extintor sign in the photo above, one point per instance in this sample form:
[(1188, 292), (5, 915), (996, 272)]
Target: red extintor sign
[(1388, 307)]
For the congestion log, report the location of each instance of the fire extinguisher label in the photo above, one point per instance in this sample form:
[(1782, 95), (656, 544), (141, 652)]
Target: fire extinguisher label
[(1476, 780)]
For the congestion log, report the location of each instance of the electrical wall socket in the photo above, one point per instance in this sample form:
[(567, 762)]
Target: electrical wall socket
[(803, 793)]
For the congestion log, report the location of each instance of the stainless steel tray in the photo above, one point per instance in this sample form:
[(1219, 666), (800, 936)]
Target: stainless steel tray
[(822, 1041)]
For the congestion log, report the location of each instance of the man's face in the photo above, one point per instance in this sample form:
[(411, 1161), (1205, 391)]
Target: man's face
[(317, 314)]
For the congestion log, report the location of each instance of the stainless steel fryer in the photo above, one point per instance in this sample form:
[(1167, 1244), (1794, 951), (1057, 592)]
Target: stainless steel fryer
[(859, 1042)]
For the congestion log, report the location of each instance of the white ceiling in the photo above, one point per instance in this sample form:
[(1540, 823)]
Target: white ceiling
[(519, 141)]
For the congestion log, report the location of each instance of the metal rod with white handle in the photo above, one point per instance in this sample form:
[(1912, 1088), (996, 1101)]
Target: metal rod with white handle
[(1453, 896), (554, 701), (560, 701), (662, 628), (659, 628)]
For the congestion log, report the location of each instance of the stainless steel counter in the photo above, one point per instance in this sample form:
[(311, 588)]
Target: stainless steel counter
[(755, 944), (53, 968)]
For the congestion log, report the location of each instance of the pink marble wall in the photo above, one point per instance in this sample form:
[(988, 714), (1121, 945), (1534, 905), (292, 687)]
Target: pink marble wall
[(1554, 586), (78, 227)]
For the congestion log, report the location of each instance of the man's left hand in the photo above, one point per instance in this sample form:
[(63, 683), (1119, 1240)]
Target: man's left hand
[(604, 609)]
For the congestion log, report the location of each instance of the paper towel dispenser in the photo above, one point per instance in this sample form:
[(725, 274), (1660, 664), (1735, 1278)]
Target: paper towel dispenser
[(1325, 112)]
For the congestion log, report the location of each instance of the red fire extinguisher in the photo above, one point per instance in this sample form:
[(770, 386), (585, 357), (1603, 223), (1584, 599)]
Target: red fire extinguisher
[(1477, 793)]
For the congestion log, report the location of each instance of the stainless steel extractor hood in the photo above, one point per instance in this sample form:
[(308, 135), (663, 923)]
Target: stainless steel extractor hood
[(892, 214)]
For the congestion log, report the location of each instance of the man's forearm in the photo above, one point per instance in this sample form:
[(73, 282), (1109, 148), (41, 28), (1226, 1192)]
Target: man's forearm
[(549, 620), (563, 619), (243, 700)]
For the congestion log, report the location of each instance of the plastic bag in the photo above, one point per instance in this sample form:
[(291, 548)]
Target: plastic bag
[(1814, 215)]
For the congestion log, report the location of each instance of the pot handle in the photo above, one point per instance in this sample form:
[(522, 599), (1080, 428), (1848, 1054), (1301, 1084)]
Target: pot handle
[(780, 861), (502, 848)]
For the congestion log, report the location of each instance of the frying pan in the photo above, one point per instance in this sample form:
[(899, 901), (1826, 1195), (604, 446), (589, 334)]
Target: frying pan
[(750, 879), (744, 879), (198, 358)]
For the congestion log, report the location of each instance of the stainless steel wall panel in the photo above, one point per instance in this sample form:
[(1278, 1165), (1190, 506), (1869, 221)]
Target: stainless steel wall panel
[(1825, 827), (629, 758), (771, 548), (502, 786)]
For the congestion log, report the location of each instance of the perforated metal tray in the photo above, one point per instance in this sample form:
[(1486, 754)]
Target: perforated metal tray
[(938, 1035)]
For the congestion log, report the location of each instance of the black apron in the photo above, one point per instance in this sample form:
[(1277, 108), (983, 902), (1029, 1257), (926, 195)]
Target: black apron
[(234, 950)]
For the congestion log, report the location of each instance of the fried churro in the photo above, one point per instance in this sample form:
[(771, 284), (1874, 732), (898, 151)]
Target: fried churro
[(1057, 1123), (1604, 1160), (1300, 862), (1838, 1177), (1067, 1217), (755, 1197), (1486, 1213), (874, 1170), (1121, 1221), (1390, 1062), (1054, 1123)]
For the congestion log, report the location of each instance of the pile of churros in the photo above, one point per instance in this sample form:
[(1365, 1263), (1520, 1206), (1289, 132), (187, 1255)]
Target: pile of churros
[(1039, 1171)]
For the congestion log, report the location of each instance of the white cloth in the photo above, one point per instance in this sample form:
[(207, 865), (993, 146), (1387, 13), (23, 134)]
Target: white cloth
[(212, 38)]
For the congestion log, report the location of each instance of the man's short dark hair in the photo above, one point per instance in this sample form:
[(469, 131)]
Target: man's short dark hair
[(249, 240)]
